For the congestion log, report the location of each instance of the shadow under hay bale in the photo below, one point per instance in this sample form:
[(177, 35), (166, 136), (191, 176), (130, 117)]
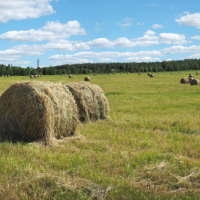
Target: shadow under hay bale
[(195, 82), (70, 76), (87, 78), (184, 80), (91, 101), (37, 111)]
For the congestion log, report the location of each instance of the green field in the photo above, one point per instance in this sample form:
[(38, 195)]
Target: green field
[(149, 150)]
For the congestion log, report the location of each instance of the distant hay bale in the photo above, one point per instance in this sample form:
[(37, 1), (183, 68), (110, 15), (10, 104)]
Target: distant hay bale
[(195, 82), (149, 74), (197, 73), (139, 73), (70, 76), (37, 111), (108, 73), (127, 72), (87, 78), (2, 75), (91, 101), (8, 75), (113, 73), (42, 75), (101, 73), (31, 76), (35, 76), (152, 75), (184, 80), (121, 72), (171, 73)]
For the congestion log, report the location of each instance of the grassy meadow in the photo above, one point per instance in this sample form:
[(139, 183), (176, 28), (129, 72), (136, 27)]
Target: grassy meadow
[(149, 150)]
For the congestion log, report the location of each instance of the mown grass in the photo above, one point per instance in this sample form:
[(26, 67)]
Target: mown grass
[(149, 150)]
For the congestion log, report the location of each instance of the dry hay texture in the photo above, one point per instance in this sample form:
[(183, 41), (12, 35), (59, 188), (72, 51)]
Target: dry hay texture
[(149, 74), (91, 101), (37, 111), (184, 80), (195, 82), (32, 76), (70, 76), (87, 78)]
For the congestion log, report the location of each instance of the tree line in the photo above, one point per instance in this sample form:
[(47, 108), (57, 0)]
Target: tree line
[(88, 68)]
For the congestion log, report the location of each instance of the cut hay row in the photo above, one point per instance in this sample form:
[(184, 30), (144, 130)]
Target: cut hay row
[(37, 111), (91, 101)]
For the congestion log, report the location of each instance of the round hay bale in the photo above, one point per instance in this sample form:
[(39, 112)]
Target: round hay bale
[(95, 74), (191, 74), (152, 75), (114, 73), (139, 74), (70, 76), (91, 101), (2, 75), (37, 111), (101, 73), (149, 74), (195, 82), (197, 73), (127, 72), (31, 76), (171, 73), (35, 76), (108, 73), (184, 80), (121, 72), (87, 78), (8, 75)]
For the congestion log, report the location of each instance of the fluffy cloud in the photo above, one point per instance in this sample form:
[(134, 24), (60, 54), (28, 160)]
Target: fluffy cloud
[(157, 26), (150, 32), (127, 22), (23, 9), (168, 38), (142, 59), (190, 20), (51, 31)]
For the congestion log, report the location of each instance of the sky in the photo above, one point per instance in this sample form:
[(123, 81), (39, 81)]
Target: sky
[(61, 32)]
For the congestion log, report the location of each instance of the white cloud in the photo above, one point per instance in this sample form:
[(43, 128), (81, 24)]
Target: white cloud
[(168, 38), (181, 49), (196, 37), (23, 9), (190, 20), (51, 31), (157, 26), (127, 22), (149, 32), (142, 59), (105, 60)]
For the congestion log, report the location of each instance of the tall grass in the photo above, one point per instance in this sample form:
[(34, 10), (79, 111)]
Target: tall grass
[(149, 150)]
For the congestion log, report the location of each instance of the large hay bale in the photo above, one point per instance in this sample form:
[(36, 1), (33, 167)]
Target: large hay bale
[(35, 76), (184, 80), (152, 75), (70, 76), (37, 111), (87, 78), (195, 82), (32, 76), (91, 101), (2, 75), (149, 74)]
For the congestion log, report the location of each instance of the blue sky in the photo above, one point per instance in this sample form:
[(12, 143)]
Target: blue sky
[(81, 31)]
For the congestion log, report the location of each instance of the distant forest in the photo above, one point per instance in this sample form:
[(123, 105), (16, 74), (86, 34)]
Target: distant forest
[(89, 68)]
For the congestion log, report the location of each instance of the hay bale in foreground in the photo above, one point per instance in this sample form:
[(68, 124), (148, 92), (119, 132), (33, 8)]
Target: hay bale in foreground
[(184, 80), (70, 76), (91, 101), (87, 78), (195, 82), (37, 111)]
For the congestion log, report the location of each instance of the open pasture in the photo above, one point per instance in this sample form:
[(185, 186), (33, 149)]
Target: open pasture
[(149, 150)]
